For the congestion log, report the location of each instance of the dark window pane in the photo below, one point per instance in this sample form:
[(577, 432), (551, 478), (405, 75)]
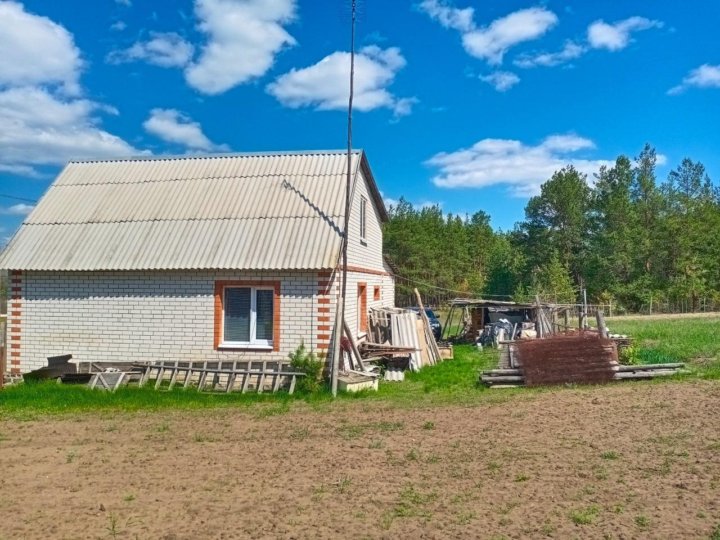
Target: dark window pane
[(265, 314), (237, 314)]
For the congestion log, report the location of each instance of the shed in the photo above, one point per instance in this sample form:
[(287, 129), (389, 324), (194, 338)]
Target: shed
[(194, 258)]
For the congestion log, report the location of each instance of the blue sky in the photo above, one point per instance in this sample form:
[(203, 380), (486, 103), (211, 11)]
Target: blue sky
[(468, 104)]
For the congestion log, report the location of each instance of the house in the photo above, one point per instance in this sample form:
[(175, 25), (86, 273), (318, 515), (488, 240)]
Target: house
[(202, 258)]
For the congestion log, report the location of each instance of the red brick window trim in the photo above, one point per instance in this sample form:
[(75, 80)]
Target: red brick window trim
[(220, 287), (376, 293), (362, 308)]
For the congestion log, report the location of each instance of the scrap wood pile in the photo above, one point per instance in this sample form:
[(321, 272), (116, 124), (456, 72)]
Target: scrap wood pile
[(582, 358), (400, 339)]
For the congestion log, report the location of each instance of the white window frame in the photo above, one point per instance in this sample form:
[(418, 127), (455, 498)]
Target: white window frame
[(363, 219), (254, 343)]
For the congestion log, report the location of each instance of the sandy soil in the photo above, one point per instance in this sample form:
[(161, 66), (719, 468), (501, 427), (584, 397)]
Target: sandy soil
[(623, 461)]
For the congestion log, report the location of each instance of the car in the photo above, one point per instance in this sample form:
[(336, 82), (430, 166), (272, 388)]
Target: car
[(435, 325)]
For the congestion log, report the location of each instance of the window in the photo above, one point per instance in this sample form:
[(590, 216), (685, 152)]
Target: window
[(363, 217), (246, 315), (376, 293)]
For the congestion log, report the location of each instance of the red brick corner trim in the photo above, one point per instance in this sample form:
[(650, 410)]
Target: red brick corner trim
[(14, 321)]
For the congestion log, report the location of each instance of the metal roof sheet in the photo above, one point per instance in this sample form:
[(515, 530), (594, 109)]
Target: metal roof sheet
[(268, 211)]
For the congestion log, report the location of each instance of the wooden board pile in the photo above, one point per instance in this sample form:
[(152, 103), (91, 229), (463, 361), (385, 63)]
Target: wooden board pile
[(583, 358), (396, 334)]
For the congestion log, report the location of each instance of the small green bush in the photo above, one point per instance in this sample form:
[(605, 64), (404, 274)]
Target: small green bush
[(628, 356), (307, 363)]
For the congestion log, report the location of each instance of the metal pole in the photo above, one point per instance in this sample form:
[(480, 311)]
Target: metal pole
[(340, 316)]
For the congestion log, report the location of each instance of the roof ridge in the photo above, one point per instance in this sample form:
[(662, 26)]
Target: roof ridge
[(55, 223), (277, 176), (219, 155)]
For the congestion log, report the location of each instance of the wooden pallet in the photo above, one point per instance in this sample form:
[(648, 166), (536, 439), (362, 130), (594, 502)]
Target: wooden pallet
[(217, 379)]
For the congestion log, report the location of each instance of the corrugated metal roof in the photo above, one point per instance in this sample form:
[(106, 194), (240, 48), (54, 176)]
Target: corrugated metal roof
[(248, 211)]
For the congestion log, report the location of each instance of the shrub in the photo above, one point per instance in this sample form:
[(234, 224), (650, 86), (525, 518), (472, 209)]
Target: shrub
[(307, 363)]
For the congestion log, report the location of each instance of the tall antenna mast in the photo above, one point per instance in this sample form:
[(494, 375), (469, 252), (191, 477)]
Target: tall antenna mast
[(340, 315)]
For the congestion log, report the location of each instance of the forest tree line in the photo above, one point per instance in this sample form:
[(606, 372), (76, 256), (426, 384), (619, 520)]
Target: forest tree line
[(629, 239)]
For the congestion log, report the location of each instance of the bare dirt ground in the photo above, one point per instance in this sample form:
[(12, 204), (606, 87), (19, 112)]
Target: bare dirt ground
[(622, 461)]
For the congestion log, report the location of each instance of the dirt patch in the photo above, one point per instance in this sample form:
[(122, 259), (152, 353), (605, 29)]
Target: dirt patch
[(622, 461)]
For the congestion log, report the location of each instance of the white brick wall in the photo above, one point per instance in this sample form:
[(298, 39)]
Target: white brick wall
[(127, 316)]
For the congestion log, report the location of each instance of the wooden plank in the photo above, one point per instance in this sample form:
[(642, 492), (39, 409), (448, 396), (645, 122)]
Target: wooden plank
[(145, 375), (293, 380), (645, 374), (276, 383), (161, 371), (246, 378), (188, 375), (434, 351), (353, 345), (509, 371), (261, 383), (649, 367), (231, 378), (203, 376), (601, 324), (174, 375), (503, 379)]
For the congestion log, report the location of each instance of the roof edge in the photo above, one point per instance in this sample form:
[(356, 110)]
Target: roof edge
[(172, 157), (374, 191)]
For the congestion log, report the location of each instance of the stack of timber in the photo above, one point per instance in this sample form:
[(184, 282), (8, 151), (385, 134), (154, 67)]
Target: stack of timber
[(396, 333), (513, 377)]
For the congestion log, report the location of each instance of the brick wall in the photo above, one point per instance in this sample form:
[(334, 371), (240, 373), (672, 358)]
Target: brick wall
[(126, 316)]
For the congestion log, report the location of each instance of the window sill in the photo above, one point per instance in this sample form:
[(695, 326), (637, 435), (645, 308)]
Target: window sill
[(363, 242), (248, 347)]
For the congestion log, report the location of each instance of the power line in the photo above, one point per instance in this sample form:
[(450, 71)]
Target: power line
[(435, 287), (15, 198)]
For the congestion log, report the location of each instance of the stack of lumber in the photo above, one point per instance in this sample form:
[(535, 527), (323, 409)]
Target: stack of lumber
[(506, 378), (398, 332)]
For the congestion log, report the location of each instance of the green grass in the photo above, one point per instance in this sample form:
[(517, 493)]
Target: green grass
[(584, 516), (691, 340), (452, 382)]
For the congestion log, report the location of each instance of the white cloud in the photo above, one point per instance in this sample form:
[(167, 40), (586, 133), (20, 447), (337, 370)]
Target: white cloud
[(570, 51), (42, 121), (243, 39), (118, 26), (501, 80), (326, 85), (164, 50), (523, 168), (36, 50), (20, 209), (127, 3), (173, 126), (705, 76), (617, 36), (449, 16), (39, 128), (493, 41)]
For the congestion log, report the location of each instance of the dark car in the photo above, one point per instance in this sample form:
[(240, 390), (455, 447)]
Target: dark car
[(435, 325)]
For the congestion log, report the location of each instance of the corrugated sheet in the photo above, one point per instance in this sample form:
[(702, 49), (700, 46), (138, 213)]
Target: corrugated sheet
[(281, 211)]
